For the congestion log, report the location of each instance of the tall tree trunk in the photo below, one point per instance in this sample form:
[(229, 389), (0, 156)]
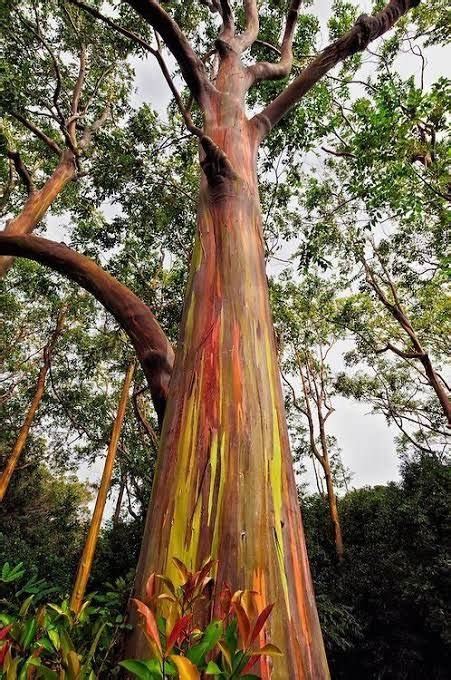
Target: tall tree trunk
[(39, 202), (224, 484), (21, 440), (84, 567), (333, 511)]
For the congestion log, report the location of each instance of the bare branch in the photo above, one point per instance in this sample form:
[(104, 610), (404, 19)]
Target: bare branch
[(95, 127), (228, 24), (249, 35), (152, 347), (72, 125), (37, 132), (266, 70), (365, 30), (399, 352), (21, 170), (340, 154), (191, 66)]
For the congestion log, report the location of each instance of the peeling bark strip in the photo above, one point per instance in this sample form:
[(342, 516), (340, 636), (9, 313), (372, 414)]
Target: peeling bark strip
[(152, 347), (21, 440)]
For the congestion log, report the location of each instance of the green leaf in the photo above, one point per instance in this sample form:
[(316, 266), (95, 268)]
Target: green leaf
[(44, 673), (46, 644), (28, 633), (212, 669), (209, 640), (25, 606), (141, 669), (55, 638)]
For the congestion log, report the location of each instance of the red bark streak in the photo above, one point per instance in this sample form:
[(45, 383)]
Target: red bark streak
[(224, 484)]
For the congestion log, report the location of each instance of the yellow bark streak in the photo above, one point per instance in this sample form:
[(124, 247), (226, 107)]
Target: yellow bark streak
[(84, 568)]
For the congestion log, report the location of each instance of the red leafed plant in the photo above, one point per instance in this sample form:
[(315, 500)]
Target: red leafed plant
[(227, 647)]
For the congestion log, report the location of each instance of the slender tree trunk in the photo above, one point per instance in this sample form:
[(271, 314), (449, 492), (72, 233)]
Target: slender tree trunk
[(331, 497), (84, 567), (311, 391), (21, 440), (120, 498), (39, 202), (333, 511), (224, 484)]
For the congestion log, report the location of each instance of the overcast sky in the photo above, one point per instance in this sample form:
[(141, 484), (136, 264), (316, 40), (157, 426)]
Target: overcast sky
[(365, 439)]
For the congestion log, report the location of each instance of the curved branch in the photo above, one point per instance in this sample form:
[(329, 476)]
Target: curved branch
[(53, 146), (21, 170), (152, 347), (191, 66), (365, 30), (266, 70)]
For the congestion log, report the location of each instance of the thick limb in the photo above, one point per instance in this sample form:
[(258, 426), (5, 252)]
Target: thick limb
[(365, 30), (152, 347)]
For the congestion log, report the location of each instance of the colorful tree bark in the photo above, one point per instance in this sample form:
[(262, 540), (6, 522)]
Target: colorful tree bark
[(224, 484)]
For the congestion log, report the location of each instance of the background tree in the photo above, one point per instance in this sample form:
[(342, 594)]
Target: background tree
[(61, 84), (307, 334)]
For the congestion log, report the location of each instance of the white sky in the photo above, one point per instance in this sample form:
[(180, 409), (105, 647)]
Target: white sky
[(365, 440)]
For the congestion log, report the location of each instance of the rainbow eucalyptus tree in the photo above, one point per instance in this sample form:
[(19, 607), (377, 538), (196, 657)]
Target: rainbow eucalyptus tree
[(224, 483)]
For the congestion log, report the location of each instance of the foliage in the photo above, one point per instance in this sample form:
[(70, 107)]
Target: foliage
[(182, 647), (47, 638), (42, 522), (383, 613)]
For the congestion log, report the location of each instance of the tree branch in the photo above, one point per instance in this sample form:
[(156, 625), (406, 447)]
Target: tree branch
[(191, 66), (134, 37), (152, 347), (399, 352), (266, 70), (228, 24), (365, 30), (38, 132), (71, 124), (249, 35), (340, 154), (36, 30), (21, 170)]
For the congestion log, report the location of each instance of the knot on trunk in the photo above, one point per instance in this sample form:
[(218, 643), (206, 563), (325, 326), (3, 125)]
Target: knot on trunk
[(216, 164)]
